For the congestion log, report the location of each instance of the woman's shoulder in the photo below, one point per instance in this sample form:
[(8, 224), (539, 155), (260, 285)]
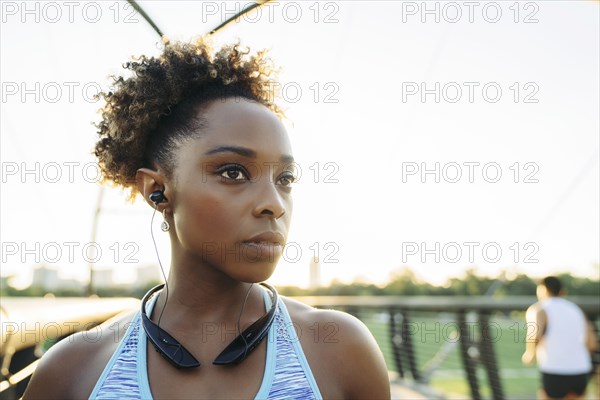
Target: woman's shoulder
[(71, 367), (341, 351), (343, 326)]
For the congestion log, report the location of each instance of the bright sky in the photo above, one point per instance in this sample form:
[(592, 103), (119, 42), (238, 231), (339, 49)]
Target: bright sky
[(377, 93)]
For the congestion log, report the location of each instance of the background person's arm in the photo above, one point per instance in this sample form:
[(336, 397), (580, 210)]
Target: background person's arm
[(591, 341), (536, 326)]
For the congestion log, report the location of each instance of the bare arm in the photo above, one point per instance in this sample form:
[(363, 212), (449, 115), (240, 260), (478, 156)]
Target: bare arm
[(54, 376), (372, 381), (536, 326), (70, 369), (362, 369), (591, 338), (343, 354)]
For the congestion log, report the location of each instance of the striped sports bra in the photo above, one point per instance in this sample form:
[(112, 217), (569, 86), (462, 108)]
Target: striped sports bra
[(287, 373)]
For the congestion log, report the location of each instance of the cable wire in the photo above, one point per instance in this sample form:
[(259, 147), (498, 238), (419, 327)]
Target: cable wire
[(161, 267), (239, 331), (139, 9)]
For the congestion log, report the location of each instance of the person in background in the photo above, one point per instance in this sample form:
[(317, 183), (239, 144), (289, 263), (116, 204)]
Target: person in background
[(560, 338)]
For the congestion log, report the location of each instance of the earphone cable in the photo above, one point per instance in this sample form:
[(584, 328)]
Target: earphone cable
[(161, 267), (240, 317)]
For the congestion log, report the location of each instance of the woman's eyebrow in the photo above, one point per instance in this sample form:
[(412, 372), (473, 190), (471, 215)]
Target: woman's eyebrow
[(243, 151)]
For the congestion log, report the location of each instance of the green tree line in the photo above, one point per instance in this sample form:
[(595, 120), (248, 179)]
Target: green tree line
[(401, 283), (405, 283)]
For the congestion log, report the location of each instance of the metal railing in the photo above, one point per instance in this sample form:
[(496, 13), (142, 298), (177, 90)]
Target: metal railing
[(30, 325), (475, 342)]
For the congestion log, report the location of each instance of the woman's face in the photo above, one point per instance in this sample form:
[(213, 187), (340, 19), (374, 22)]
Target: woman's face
[(231, 195)]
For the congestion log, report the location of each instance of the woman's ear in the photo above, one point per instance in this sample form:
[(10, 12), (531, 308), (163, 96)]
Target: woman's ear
[(149, 181)]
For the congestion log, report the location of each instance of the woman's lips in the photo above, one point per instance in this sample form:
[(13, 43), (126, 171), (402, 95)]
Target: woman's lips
[(267, 237), (262, 250)]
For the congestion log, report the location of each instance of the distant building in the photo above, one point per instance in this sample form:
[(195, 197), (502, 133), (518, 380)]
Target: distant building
[(49, 280), (315, 273), (45, 278)]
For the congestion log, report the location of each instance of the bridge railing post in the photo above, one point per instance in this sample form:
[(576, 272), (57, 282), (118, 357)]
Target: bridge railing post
[(396, 341), (488, 356), (407, 346), (467, 347)]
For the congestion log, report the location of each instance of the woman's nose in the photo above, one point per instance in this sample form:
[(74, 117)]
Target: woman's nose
[(270, 202)]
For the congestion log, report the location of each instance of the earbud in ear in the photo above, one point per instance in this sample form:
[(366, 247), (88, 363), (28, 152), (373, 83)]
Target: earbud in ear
[(157, 197)]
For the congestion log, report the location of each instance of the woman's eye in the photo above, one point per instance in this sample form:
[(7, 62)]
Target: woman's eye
[(233, 172), (287, 179)]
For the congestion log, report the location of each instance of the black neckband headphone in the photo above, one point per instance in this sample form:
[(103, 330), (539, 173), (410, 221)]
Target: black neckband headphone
[(179, 356)]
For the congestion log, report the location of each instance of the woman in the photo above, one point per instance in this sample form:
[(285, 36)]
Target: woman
[(198, 135)]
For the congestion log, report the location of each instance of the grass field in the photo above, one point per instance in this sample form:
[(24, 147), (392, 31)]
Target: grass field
[(432, 333)]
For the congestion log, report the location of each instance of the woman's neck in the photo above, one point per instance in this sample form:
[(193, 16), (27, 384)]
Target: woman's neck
[(198, 293)]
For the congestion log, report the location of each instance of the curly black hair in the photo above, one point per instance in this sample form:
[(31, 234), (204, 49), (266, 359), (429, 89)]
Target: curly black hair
[(148, 115)]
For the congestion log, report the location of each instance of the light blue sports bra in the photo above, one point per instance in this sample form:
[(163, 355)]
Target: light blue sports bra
[(287, 373)]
